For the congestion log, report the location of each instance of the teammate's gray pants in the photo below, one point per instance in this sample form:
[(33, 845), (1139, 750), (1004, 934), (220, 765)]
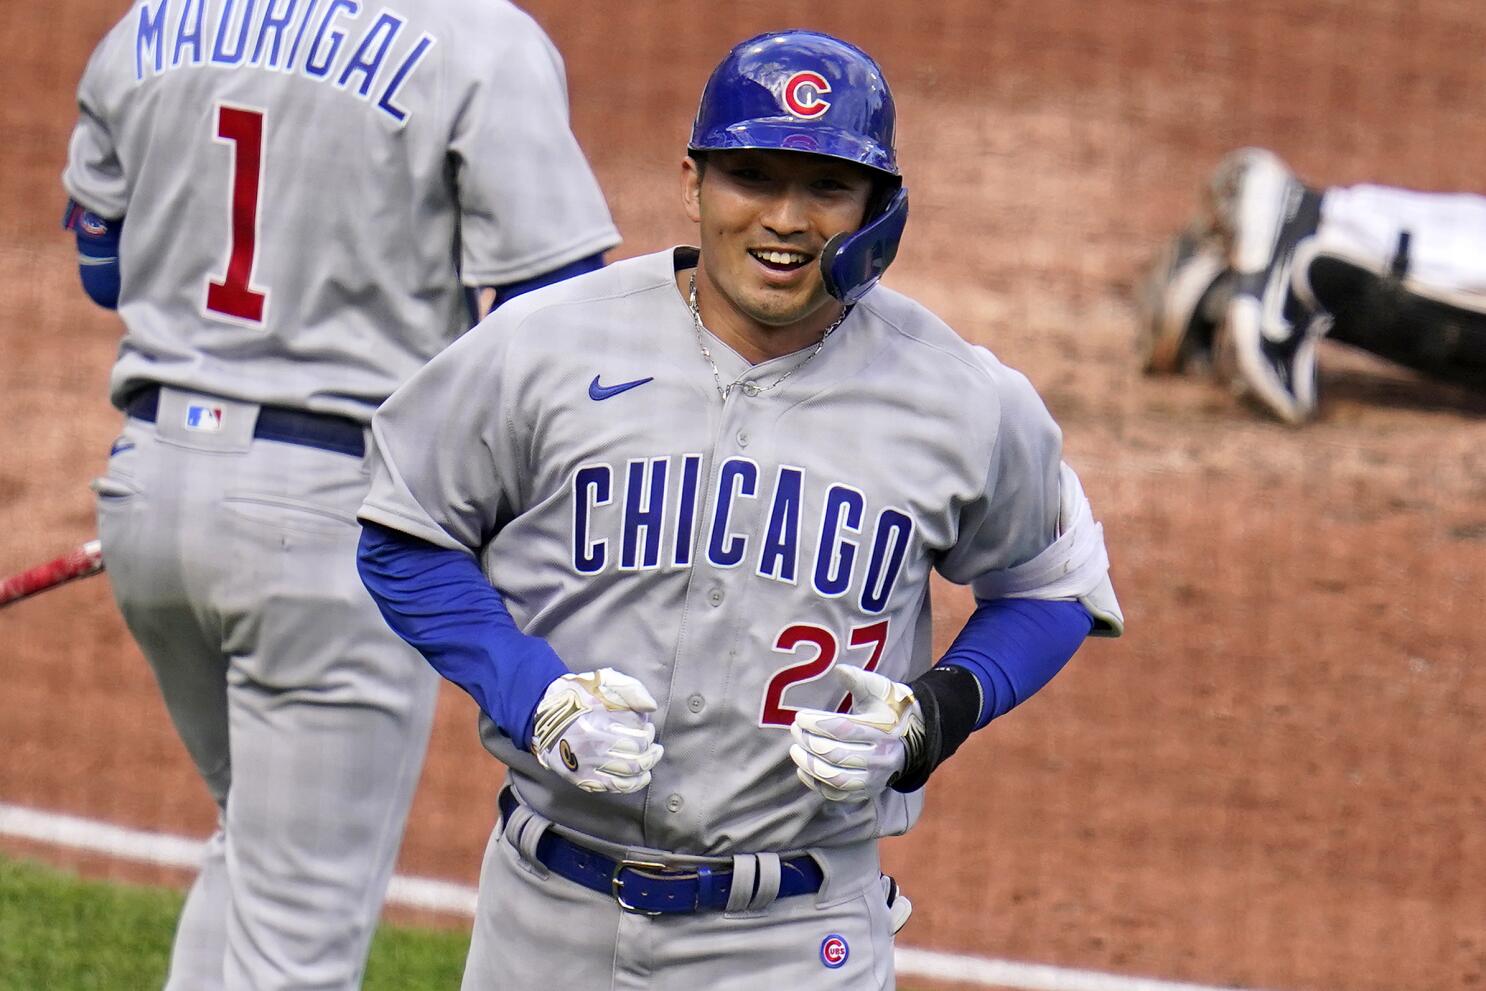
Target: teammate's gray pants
[(548, 932), (233, 561)]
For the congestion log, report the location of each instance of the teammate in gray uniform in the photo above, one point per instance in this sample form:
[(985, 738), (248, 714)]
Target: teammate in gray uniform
[(675, 536), (310, 190)]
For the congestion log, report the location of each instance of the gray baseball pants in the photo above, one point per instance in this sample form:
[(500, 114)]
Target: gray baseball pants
[(233, 560), (534, 929)]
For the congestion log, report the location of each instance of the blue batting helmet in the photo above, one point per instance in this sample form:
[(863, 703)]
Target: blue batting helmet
[(804, 91)]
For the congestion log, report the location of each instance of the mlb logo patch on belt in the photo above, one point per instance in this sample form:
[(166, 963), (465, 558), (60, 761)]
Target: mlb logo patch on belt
[(207, 418)]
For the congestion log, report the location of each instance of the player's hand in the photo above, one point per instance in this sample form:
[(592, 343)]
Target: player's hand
[(594, 729), (851, 757)]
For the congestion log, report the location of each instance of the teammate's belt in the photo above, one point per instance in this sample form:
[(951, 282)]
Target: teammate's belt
[(655, 889), (325, 431)]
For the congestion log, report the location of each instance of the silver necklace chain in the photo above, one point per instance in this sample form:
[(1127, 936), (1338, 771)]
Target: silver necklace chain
[(749, 388)]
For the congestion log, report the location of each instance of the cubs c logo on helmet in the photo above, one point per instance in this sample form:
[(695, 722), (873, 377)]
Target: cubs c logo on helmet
[(802, 94)]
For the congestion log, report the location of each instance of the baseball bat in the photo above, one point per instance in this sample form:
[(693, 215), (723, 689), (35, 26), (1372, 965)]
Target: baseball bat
[(80, 562)]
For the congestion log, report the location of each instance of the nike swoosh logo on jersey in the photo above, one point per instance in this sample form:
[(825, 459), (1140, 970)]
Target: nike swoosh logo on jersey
[(598, 392)]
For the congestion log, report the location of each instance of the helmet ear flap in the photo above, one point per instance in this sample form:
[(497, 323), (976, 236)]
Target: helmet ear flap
[(852, 262)]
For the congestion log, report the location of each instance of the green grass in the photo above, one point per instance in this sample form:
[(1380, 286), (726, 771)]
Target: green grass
[(58, 933)]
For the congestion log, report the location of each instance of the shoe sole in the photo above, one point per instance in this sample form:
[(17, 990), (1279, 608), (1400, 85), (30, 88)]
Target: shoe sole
[(1257, 222), (1168, 308)]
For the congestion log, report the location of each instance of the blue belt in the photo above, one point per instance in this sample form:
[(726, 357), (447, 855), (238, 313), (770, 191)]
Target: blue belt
[(339, 434), (655, 889)]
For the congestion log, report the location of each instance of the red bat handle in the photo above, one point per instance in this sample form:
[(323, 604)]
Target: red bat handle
[(80, 562)]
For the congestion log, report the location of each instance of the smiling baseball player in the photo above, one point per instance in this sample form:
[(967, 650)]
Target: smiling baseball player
[(676, 535), (287, 203)]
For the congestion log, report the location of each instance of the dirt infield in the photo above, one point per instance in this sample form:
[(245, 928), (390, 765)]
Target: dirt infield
[(1273, 781)]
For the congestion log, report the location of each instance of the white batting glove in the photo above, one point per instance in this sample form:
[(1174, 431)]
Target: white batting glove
[(851, 757), (594, 729)]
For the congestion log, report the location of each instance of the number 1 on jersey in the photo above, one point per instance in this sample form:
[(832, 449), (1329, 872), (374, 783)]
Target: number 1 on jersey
[(233, 296)]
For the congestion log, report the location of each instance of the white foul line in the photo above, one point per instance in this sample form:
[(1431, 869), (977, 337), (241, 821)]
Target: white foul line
[(429, 894), (991, 973)]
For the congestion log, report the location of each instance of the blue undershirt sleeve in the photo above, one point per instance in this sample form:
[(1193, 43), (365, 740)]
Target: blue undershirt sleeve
[(509, 291), (97, 253), (439, 601), (1014, 646)]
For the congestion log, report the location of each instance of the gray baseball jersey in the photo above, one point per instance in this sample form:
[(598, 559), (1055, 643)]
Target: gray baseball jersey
[(307, 182), (725, 553)]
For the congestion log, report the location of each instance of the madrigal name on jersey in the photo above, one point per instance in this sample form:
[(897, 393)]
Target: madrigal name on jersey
[(622, 519), (321, 40)]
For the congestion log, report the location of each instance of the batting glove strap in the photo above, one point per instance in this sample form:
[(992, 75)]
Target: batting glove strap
[(949, 698)]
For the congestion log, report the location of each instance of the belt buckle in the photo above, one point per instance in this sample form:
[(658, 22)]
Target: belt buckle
[(616, 883)]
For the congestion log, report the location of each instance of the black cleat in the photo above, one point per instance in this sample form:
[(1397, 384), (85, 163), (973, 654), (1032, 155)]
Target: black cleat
[(1268, 340)]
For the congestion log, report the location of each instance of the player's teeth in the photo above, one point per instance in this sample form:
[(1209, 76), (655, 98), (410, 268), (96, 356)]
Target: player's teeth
[(780, 257)]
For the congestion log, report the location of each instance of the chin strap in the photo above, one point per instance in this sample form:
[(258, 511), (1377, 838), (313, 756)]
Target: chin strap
[(852, 263)]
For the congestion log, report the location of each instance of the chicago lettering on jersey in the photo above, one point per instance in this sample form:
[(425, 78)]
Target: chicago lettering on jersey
[(321, 40), (621, 519)]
